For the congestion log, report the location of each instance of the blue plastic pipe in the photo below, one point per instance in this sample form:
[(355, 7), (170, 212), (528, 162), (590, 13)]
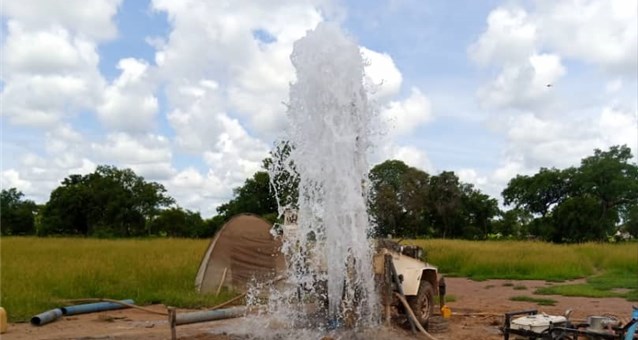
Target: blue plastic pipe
[(632, 330), (94, 307), (46, 317)]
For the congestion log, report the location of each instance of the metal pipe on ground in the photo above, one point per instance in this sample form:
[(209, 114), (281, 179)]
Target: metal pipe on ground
[(95, 307), (209, 315), (46, 317)]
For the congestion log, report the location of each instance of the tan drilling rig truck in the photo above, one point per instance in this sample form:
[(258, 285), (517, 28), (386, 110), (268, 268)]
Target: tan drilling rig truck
[(401, 274)]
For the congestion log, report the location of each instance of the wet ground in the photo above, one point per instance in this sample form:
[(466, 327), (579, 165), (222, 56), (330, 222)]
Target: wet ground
[(477, 314)]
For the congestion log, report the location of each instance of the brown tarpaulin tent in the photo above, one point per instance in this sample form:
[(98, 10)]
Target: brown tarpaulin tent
[(242, 250)]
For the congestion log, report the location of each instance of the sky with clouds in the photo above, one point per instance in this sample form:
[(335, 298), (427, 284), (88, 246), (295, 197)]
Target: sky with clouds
[(191, 93)]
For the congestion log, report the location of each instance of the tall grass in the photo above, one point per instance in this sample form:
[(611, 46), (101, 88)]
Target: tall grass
[(529, 260), (38, 273)]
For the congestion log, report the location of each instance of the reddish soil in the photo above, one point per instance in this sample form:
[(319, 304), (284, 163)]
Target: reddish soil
[(477, 314)]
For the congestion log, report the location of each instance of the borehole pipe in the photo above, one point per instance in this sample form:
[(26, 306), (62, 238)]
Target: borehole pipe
[(46, 317), (209, 315), (95, 307)]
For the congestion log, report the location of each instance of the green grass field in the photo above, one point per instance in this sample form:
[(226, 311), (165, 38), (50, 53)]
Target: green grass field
[(37, 274), (611, 270)]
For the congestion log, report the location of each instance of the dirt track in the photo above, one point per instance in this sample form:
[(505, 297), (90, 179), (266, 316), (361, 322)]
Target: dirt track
[(478, 312)]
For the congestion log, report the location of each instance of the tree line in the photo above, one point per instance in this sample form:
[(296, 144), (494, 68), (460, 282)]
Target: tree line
[(591, 202)]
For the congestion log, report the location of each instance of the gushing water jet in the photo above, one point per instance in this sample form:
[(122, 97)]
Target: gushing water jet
[(329, 255)]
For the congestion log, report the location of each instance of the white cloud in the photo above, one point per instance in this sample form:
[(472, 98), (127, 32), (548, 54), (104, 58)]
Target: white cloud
[(10, 178), (471, 176), (407, 115), (524, 86), (193, 190), (557, 126), (87, 18), (223, 44), (382, 78), (409, 154), (227, 70), (602, 32), (544, 142), (41, 87), (508, 169), (124, 148), (129, 104), (510, 37), (614, 86), (619, 127), (414, 156)]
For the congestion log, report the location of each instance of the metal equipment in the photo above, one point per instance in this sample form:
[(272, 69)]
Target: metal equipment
[(533, 326)]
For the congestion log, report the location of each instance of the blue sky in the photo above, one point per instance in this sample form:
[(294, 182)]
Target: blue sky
[(190, 94)]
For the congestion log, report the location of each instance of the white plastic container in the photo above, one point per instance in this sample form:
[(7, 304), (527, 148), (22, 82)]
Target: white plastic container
[(537, 323)]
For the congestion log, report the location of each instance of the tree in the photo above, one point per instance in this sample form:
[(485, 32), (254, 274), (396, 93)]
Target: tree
[(612, 181), (576, 220), (284, 178), (16, 213), (398, 198), (479, 210), (579, 204), (254, 196), (445, 197), (630, 216), (68, 208), (513, 223), (539, 193), (178, 222), (107, 202)]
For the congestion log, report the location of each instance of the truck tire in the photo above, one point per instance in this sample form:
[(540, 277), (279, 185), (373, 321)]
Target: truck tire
[(423, 303)]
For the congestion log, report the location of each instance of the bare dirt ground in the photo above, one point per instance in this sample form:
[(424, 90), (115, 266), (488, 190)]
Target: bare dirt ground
[(477, 314)]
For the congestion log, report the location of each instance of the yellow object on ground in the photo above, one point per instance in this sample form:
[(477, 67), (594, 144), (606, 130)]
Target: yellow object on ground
[(3, 321), (446, 312)]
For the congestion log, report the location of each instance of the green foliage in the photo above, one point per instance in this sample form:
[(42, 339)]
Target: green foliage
[(630, 216), (178, 222), (478, 211), (512, 224), (576, 220), (253, 197), (406, 201), (445, 197), (107, 202), (580, 204), (538, 193), (16, 213), (398, 198), (284, 180), (39, 273)]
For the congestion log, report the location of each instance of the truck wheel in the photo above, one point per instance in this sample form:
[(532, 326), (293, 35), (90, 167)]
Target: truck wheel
[(423, 303)]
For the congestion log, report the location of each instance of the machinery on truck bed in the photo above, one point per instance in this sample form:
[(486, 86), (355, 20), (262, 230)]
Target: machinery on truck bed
[(399, 273), (402, 272)]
